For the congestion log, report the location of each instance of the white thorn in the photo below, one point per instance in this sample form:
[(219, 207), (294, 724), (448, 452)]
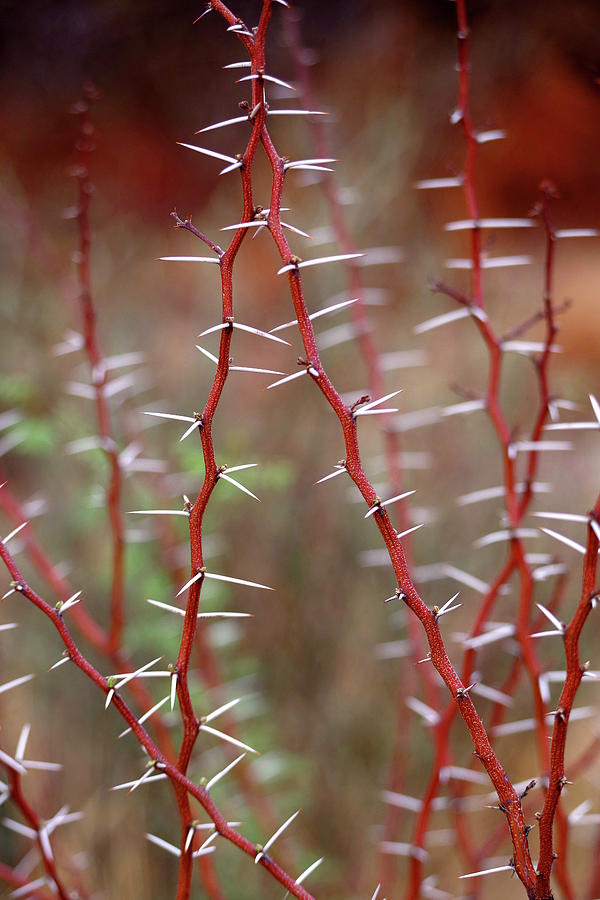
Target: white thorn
[(448, 605), (158, 512), (265, 334), (270, 78), (209, 355), (213, 153), (122, 680), (321, 312), (147, 715), (317, 262), (426, 712), (383, 503), (197, 423), (402, 534), (432, 183), (220, 710), (161, 415), (12, 764), (223, 772), (339, 470), (576, 232), (296, 112), (464, 224), (8, 685), (238, 485), (14, 532), (287, 378), (231, 168), (203, 259), (563, 517), (222, 124), (497, 262), (497, 134), (488, 871), (505, 534), (374, 403), (565, 540), (308, 162), (164, 844)]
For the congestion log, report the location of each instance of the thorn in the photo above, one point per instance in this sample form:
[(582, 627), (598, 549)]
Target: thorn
[(399, 595), (212, 153), (509, 868), (379, 503), (296, 263), (223, 772), (446, 608), (263, 849), (463, 692), (528, 787), (173, 689)]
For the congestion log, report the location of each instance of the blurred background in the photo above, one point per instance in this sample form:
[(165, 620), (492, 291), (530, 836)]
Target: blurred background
[(318, 662)]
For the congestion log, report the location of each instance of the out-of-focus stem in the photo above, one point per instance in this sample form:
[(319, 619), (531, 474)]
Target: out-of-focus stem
[(85, 147)]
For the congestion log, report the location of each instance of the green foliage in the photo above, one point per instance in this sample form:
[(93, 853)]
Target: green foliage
[(37, 437)]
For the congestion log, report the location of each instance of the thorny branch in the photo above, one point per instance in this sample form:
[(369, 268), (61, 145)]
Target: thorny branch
[(439, 656), (17, 796), (535, 880), (376, 383), (179, 780)]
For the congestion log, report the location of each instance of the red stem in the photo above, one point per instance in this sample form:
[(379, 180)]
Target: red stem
[(30, 816), (575, 672), (85, 147), (439, 656), (178, 779)]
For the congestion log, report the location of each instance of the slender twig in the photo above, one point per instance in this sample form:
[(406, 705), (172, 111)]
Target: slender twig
[(85, 148), (179, 780)]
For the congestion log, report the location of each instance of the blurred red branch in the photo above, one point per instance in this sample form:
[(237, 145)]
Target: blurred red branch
[(389, 435), (85, 147), (179, 780), (35, 823), (518, 495)]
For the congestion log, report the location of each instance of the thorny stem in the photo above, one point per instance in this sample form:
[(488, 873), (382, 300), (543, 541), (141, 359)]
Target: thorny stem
[(30, 816), (536, 883), (368, 347), (515, 508), (594, 883), (205, 655), (518, 506), (108, 642), (506, 793), (439, 655), (7, 874), (442, 731), (376, 386), (92, 632), (227, 258), (179, 780), (508, 797), (508, 688)]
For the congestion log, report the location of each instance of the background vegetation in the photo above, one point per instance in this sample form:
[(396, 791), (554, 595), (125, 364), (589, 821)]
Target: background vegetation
[(322, 702)]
